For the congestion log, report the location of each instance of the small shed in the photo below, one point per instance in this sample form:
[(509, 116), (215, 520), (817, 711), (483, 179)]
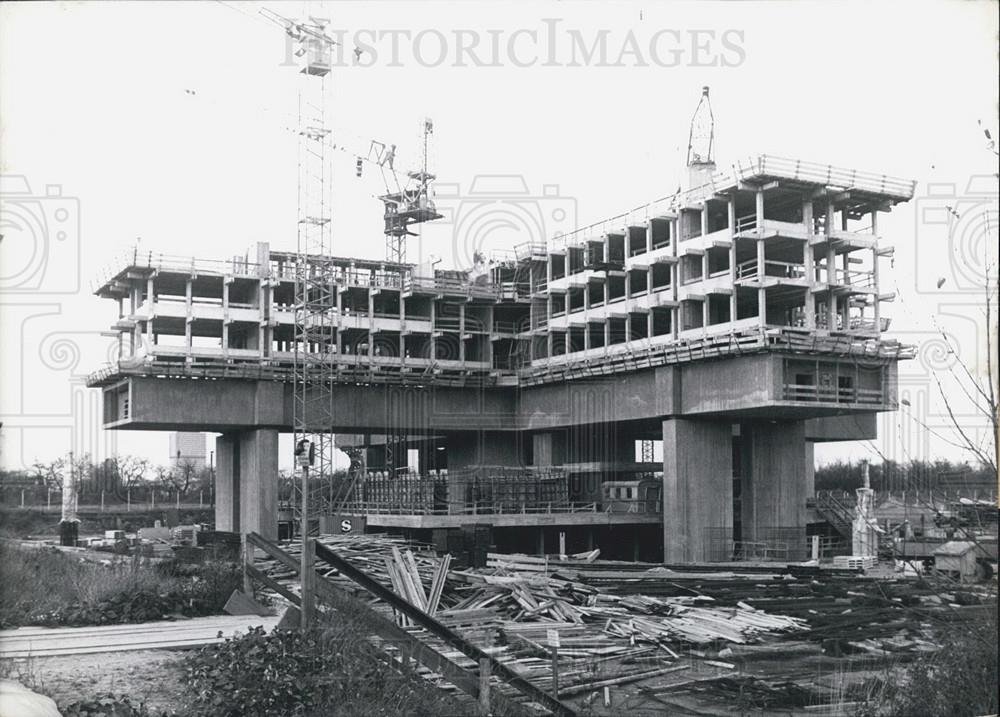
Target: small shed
[(957, 558)]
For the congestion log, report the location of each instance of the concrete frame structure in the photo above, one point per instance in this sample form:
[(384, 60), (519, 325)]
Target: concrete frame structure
[(737, 323)]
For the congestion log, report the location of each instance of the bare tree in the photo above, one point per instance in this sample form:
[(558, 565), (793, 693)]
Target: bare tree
[(52, 473), (49, 473), (181, 477), (131, 470), (976, 380)]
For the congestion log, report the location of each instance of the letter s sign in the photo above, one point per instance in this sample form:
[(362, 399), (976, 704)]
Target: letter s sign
[(345, 526)]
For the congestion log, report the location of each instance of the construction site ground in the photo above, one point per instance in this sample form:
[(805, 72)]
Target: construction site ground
[(151, 676), (156, 678), (721, 639)]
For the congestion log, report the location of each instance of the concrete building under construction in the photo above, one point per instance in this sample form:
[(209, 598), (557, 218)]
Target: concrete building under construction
[(651, 385)]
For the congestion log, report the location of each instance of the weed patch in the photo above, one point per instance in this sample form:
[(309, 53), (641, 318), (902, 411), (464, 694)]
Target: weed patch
[(959, 680), (49, 587), (332, 672)]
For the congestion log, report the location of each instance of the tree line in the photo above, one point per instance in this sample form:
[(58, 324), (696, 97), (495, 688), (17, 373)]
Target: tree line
[(114, 476), (896, 476)]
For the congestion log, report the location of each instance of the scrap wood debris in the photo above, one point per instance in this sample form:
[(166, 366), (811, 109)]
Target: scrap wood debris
[(631, 626), (513, 601)]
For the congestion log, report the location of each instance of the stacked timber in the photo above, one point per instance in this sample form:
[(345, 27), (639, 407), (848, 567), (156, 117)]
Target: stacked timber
[(517, 594), (633, 626)]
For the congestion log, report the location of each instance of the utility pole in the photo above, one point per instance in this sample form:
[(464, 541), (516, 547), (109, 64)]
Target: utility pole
[(304, 456)]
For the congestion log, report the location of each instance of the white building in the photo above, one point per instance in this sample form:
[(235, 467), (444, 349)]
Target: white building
[(188, 448)]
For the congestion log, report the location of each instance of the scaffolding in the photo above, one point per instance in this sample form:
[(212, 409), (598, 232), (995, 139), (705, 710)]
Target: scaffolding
[(315, 325)]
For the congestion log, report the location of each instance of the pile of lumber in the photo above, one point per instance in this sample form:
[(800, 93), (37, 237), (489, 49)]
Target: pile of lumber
[(508, 599), (406, 580), (626, 624), (527, 599)]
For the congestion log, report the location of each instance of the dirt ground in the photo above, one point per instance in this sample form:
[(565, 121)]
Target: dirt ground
[(155, 677), (152, 676)]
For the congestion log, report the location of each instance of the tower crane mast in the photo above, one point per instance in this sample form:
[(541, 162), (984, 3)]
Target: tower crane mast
[(315, 325)]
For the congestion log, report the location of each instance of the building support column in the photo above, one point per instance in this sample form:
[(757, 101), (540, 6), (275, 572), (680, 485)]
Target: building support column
[(733, 298), (697, 488), (761, 291), (246, 482), (831, 269), (188, 318), (809, 261), (877, 309), (773, 496), (225, 317), (227, 482), (259, 482)]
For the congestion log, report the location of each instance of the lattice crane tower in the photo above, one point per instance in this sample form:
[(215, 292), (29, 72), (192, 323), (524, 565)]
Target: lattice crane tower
[(315, 286)]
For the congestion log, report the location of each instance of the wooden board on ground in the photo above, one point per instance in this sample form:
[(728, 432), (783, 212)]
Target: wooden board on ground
[(48, 641)]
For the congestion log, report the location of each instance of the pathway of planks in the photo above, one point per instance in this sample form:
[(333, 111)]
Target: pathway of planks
[(194, 632)]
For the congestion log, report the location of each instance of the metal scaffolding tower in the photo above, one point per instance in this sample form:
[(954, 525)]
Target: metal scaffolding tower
[(315, 344), (648, 451)]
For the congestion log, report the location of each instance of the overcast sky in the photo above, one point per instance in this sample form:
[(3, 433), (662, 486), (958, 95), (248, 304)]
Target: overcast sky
[(169, 123)]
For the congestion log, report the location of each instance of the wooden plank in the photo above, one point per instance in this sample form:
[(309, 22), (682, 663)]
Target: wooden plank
[(273, 585), (634, 677), (451, 638), (115, 638)]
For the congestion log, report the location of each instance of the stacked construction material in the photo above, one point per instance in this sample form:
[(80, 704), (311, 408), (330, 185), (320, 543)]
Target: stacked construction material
[(511, 601), (651, 630)]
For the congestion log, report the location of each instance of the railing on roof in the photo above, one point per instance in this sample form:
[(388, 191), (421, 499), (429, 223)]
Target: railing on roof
[(236, 266), (746, 341), (827, 174), (761, 166)]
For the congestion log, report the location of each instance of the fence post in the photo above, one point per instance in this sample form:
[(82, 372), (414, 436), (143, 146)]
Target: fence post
[(178, 497), (815, 547), (201, 498), (22, 497), (128, 500), (48, 499), (102, 501), (152, 498)]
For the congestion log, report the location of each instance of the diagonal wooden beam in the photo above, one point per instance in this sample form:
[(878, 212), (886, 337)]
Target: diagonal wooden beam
[(451, 638)]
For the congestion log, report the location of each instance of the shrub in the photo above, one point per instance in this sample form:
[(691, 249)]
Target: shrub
[(331, 672), (108, 705), (959, 680), (48, 587)]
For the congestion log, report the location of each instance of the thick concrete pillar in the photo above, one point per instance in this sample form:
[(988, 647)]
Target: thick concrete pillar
[(227, 482), (697, 487), (246, 482), (773, 497), (259, 482)]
